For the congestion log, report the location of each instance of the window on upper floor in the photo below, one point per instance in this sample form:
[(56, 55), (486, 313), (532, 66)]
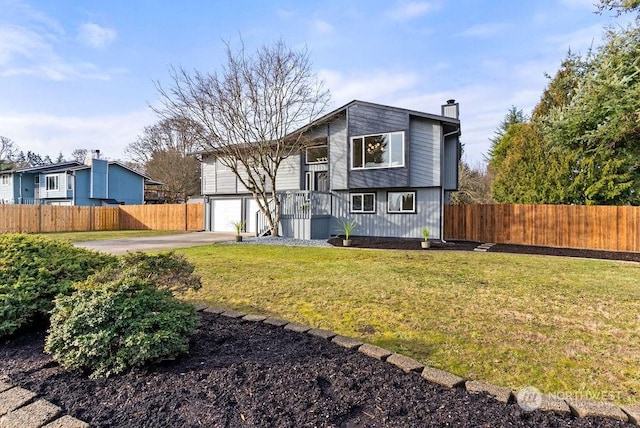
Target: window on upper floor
[(363, 202), (70, 182), (316, 154), (401, 202), (4, 180), (53, 182), (378, 151)]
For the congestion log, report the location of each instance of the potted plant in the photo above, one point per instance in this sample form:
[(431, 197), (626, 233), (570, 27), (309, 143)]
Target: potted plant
[(348, 227), (239, 226), (425, 238)]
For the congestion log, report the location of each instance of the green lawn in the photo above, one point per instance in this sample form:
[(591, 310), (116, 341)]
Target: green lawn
[(565, 326), (107, 234)]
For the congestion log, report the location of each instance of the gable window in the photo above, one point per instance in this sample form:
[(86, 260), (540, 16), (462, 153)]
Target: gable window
[(53, 182), (363, 202), (401, 202), (5, 179), (316, 154), (378, 151)]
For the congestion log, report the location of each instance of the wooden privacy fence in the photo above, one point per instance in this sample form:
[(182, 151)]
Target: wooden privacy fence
[(572, 226), (50, 218)]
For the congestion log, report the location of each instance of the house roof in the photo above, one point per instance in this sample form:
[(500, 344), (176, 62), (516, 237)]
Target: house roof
[(453, 122), (340, 110), (79, 166), (46, 168)]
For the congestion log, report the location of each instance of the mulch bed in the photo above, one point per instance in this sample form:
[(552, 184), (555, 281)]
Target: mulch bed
[(414, 244), (240, 373)]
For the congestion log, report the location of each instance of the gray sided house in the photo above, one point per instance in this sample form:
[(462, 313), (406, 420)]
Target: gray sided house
[(390, 169), (99, 182)]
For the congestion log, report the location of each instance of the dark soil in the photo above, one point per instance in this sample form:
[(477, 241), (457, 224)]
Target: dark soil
[(414, 244), (241, 373)]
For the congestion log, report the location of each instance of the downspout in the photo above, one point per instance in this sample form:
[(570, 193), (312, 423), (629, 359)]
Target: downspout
[(73, 188), (444, 136)]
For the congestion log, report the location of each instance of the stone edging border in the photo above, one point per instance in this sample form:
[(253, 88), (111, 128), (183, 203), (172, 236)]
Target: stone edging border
[(20, 407), (528, 398)]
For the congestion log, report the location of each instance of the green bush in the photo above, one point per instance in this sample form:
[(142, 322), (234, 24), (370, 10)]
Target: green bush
[(33, 270), (167, 271), (124, 317)]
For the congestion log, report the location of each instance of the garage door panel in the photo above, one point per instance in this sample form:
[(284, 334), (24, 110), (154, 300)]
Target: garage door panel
[(225, 212)]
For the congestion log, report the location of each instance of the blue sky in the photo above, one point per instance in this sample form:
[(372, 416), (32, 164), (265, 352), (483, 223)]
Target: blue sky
[(80, 74)]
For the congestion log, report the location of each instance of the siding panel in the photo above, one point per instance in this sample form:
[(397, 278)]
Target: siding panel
[(391, 225), (208, 175), (451, 155), (424, 153), (338, 156), (289, 174)]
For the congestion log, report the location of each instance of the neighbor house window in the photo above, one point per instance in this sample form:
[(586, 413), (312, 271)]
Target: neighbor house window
[(378, 151), (401, 202), (317, 154), (5, 179), (53, 182), (69, 182), (363, 202)]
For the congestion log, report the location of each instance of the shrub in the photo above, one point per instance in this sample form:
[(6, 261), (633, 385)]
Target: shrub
[(168, 271), (124, 316), (33, 270)]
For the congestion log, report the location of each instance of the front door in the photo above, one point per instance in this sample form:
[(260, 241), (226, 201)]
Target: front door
[(322, 181)]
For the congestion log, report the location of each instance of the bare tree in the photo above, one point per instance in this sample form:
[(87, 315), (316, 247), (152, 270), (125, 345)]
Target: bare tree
[(164, 152), (8, 152), (80, 155), (252, 115), (475, 185)]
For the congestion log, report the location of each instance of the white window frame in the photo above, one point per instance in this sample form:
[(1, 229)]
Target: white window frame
[(323, 160), (391, 152), (5, 180), (362, 211), (401, 210), (70, 181), (55, 180)]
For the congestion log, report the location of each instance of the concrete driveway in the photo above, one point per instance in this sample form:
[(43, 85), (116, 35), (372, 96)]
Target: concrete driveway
[(151, 243)]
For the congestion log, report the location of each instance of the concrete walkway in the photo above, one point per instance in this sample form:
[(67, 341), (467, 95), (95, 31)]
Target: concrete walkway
[(153, 243)]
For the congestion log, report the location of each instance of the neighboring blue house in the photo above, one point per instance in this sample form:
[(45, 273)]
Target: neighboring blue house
[(99, 182), (389, 169)]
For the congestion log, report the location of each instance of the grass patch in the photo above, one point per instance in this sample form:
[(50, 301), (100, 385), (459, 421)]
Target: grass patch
[(565, 326), (102, 235)]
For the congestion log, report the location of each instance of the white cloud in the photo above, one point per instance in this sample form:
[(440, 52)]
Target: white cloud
[(96, 36), (376, 86), (579, 41), (49, 134), (27, 52), (485, 30), (323, 27), (409, 10)]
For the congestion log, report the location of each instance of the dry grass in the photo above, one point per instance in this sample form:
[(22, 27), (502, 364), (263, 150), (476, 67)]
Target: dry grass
[(563, 325)]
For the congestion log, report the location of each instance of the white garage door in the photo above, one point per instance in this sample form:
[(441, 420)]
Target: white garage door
[(225, 212), (252, 209)]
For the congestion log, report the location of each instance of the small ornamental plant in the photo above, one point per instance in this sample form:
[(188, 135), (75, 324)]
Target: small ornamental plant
[(125, 316), (425, 233), (238, 226)]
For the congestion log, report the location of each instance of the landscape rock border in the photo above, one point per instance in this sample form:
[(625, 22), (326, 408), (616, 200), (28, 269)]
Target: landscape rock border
[(547, 403), (20, 407)]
